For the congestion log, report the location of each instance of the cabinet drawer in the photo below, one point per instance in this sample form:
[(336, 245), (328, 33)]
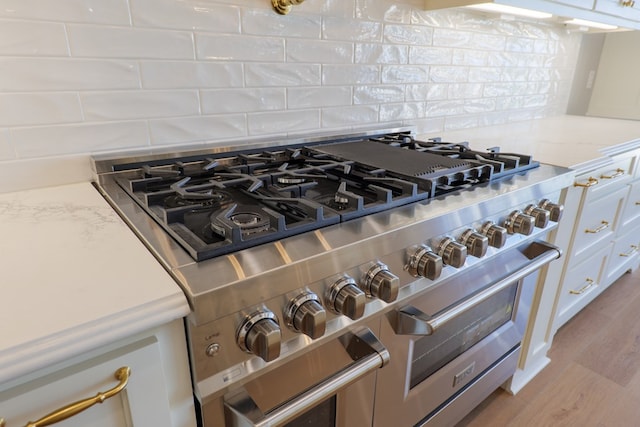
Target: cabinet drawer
[(604, 180), (630, 217), (624, 255), (144, 400), (581, 285), (597, 223)]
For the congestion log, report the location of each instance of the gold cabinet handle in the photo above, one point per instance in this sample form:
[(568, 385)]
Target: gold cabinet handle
[(630, 252), (122, 375), (583, 289), (284, 6), (604, 225), (617, 173), (628, 3), (637, 203), (590, 182)]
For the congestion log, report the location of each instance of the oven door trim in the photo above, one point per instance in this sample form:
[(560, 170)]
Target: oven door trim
[(411, 321), (368, 355)]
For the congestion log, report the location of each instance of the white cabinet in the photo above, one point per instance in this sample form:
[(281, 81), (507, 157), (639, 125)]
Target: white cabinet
[(157, 391), (599, 233), (613, 12)]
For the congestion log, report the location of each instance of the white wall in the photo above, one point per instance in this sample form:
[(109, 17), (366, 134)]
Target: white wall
[(80, 76)]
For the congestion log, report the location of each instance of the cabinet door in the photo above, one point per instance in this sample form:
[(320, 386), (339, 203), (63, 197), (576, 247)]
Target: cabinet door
[(616, 8), (582, 4), (143, 402), (630, 217), (624, 256)]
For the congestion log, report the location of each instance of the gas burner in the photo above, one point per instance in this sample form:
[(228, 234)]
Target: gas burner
[(291, 179), (213, 199), (240, 222)]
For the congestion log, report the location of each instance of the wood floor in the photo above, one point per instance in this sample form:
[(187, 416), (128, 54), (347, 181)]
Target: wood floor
[(594, 375)]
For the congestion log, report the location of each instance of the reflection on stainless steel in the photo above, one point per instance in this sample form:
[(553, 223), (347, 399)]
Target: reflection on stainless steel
[(332, 245)]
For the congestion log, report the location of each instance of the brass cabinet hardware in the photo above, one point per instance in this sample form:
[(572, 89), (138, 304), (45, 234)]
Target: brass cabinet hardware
[(630, 252), (617, 173), (583, 289), (590, 182), (122, 375), (628, 3), (2, 422), (283, 7), (604, 225)]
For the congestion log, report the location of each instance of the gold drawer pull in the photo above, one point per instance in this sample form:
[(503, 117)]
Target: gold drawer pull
[(583, 289), (637, 203), (618, 172), (590, 182), (628, 3), (604, 225), (122, 375), (630, 252)]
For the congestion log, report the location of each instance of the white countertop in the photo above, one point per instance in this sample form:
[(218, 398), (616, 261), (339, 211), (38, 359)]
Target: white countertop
[(74, 277), (569, 141)]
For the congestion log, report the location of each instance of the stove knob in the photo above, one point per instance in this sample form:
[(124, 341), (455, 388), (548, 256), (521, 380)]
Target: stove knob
[(344, 297), (452, 252), (518, 222), (424, 262), (555, 209), (381, 283), (497, 235), (541, 215), (475, 242), (305, 314), (260, 334)]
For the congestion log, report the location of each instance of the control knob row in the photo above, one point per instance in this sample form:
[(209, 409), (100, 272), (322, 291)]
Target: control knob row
[(260, 332)]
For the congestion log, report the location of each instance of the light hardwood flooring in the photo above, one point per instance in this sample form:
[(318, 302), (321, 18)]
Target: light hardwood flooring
[(593, 379)]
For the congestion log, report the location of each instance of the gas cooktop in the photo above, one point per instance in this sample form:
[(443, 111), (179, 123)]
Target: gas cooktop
[(218, 203)]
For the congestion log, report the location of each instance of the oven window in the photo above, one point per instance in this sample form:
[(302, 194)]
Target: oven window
[(432, 352), (322, 415)]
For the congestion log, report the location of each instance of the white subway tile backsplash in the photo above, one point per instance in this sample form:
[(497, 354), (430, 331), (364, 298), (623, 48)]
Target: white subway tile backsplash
[(6, 149), (429, 55), (121, 42), (266, 23), (200, 15), (221, 101), (283, 121), (315, 97), (378, 94), (21, 109), (350, 29), (57, 140), (197, 129), (402, 111), (55, 74), (115, 12), (258, 75), (239, 48), (408, 34), (374, 53), (139, 104), (350, 74), (357, 115), (405, 74), (32, 38), (319, 52), (448, 74), (78, 76), (187, 74)]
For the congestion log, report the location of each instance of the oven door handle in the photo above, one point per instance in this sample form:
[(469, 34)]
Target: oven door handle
[(363, 347), (411, 321)]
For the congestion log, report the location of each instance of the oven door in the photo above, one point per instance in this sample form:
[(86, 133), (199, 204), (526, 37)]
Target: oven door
[(458, 342), (332, 386)]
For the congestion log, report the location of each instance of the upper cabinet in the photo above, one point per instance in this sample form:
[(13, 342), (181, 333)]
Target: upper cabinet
[(621, 13)]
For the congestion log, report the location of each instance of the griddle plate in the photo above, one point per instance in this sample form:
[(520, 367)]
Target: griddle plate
[(407, 162)]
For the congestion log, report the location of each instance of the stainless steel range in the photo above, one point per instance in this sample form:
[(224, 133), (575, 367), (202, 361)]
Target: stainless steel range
[(348, 280)]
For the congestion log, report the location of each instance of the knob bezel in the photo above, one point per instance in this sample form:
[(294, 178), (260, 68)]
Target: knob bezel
[(249, 322), (444, 249), (469, 237), (370, 277), (513, 222), (296, 304), (488, 230), (333, 292), (417, 253)]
